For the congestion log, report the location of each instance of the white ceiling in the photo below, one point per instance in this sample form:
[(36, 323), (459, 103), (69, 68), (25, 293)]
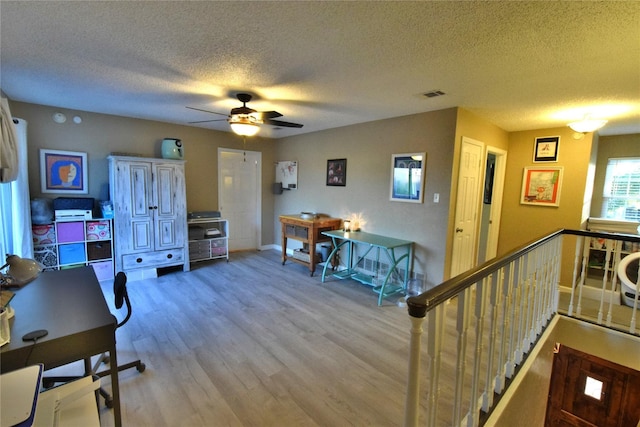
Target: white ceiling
[(521, 65)]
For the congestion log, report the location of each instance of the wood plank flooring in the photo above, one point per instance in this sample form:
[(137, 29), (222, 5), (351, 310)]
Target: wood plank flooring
[(255, 343)]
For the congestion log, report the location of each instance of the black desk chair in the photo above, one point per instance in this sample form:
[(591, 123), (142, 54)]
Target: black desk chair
[(121, 296)]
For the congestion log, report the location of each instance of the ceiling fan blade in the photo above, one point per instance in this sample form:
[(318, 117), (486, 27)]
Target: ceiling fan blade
[(263, 115), (282, 124), (206, 121), (206, 111)]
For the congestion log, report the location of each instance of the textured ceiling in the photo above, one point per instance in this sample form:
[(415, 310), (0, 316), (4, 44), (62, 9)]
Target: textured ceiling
[(521, 65)]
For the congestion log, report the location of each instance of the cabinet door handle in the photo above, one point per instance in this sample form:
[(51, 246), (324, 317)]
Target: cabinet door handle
[(138, 260), (459, 230)]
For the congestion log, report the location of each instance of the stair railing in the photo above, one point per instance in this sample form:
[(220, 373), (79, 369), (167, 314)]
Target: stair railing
[(494, 314)]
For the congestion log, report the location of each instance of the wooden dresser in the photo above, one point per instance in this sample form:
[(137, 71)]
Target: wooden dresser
[(309, 232)]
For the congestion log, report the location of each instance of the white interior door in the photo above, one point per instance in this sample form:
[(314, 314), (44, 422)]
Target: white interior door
[(467, 206), (239, 197)]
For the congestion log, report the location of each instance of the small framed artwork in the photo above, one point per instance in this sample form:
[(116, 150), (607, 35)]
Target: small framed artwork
[(337, 172), (546, 149), (63, 172), (541, 186), (407, 177)]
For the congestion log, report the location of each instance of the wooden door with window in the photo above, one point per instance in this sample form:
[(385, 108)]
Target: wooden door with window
[(586, 390)]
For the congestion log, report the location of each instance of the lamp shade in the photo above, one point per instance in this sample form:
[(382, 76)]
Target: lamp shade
[(22, 270), (245, 129), (244, 124), (587, 125)]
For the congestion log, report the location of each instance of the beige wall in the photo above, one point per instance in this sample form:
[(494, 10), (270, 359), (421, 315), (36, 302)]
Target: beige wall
[(471, 126), (368, 148), (523, 223), (611, 147), (101, 134)]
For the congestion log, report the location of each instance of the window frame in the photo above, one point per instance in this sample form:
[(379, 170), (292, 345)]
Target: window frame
[(626, 200)]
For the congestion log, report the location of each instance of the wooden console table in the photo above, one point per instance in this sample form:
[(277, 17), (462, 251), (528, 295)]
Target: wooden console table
[(387, 245), (307, 231)]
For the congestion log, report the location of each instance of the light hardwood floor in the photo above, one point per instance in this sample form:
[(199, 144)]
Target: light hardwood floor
[(255, 343)]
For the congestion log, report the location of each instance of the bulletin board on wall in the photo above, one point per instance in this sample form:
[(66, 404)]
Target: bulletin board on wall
[(287, 174)]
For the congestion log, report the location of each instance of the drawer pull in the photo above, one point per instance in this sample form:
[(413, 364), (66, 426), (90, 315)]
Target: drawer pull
[(169, 256), (138, 260)]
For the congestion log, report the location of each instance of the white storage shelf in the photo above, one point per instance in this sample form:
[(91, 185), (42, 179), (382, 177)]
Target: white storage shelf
[(76, 243), (208, 239)]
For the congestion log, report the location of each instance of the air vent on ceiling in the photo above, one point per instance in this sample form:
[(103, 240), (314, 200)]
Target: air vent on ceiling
[(434, 93)]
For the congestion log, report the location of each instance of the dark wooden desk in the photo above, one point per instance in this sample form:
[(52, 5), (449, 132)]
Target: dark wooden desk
[(307, 231), (70, 305)]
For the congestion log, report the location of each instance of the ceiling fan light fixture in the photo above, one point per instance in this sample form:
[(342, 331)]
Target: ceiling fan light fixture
[(587, 125), (244, 125)]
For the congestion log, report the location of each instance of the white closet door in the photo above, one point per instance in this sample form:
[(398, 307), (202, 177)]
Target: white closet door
[(239, 178)]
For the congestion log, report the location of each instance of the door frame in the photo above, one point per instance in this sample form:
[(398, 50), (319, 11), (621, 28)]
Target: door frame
[(491, 247)]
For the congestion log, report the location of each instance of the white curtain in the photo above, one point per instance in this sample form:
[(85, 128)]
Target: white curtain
[(8, 144), (15, 208)]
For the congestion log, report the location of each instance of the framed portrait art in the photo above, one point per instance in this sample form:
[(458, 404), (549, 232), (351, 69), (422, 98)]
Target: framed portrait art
[(63, 172), (546, 149), (541, 186), (337, 172)]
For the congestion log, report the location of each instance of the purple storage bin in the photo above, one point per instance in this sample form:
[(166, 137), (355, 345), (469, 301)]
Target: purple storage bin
[(70, 232)]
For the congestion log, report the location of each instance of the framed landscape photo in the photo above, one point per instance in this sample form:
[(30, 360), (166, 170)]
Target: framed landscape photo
[(407, 177), (337, 172), (546, 149), (541, 186), (63, 172)]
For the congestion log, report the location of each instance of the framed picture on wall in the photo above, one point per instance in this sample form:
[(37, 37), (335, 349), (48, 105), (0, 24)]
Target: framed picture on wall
[(541, 186), (63, 172), (407, 177), (546, 149), (337, 172)]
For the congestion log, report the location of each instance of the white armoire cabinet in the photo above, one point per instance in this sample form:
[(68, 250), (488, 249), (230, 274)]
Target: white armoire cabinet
[(150, 213)]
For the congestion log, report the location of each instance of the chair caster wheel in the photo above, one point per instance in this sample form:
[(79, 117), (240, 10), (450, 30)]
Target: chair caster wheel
[(142, 367), (108, 403)]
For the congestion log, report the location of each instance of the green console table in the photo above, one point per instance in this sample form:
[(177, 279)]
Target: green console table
[(386, 245)]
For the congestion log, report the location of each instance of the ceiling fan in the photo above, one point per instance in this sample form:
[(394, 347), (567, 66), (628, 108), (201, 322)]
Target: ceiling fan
[(246, 121)]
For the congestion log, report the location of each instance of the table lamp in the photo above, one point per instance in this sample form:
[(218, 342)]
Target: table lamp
[(20, 272)]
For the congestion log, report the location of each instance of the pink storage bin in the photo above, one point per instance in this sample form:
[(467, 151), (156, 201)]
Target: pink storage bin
[(103, 270), (43, 234), (70, 232), (98, 230)]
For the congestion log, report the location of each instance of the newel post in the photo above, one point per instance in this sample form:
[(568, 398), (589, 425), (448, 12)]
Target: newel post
[(417, 312)]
